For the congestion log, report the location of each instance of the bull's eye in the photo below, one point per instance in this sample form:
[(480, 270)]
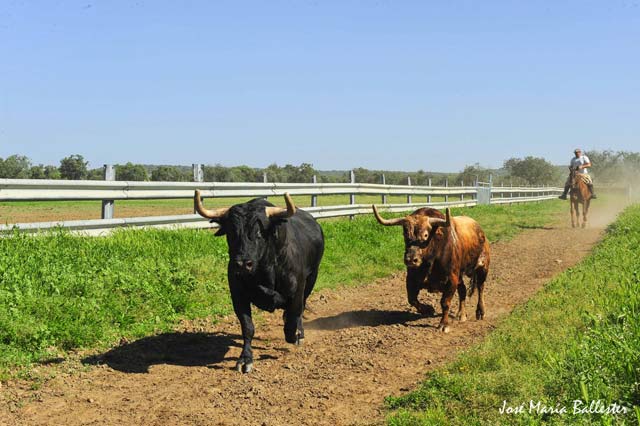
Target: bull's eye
[(426, 235)]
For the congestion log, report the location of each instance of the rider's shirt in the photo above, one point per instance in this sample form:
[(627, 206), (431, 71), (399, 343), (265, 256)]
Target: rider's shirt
[(583, 159)]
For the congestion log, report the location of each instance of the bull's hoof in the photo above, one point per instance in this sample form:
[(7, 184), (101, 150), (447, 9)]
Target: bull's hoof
[(300, 340), (462, 317), (244, 365), (584, 225), (479, 315), (443, 328)]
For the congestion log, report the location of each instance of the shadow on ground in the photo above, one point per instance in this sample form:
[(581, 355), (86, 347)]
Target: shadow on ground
[(369, 318), (546, 228), (185, 349)]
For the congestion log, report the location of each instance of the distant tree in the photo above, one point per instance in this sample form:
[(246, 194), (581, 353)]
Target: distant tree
[(96, 174), (300, 174), (532, 170), (274, 173), (169, 174), (130, 171), (73, 167), (245, 174), (615, 166), (217, 173), (471, 173), (51, 172), (37, 172), (15, 167)]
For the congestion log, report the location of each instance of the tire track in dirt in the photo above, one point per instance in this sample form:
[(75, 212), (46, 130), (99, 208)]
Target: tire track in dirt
[(362, 344)]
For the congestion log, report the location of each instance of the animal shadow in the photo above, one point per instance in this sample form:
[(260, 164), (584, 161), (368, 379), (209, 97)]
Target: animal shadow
[(525, 226), (185, 349), (369, 318)]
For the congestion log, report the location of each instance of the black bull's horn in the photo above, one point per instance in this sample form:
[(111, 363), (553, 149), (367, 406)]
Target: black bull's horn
[(219, 213)]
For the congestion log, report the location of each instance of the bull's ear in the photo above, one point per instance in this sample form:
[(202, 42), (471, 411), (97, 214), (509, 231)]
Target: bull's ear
[(266, 222), (220, 232)]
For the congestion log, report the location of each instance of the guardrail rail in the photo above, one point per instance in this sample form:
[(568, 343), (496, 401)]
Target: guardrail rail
[(110, 191)]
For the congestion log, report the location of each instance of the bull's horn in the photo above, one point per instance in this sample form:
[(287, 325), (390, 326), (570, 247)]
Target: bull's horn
[(213, 214), (387, 222), (436, 221), (282, 212)]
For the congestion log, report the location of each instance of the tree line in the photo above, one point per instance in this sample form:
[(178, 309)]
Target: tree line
[(609, 166)]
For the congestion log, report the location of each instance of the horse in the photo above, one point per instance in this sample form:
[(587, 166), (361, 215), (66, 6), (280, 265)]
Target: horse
[(580, 194)]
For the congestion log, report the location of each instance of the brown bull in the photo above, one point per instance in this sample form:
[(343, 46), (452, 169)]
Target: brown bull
[(438, 251)]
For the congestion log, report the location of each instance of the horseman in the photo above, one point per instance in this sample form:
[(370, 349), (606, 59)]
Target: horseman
[(580, 163)]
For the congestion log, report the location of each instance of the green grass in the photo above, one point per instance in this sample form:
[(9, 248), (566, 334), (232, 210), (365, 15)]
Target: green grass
[(577, 339), (60, 292)]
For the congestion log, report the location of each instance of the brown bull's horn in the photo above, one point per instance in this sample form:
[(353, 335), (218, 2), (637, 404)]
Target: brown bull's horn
[(213, 214), (387, 222), (436, 221), (281, 212)]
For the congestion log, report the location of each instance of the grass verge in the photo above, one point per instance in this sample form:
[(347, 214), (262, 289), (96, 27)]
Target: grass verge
[(60, 292), (577, 340)]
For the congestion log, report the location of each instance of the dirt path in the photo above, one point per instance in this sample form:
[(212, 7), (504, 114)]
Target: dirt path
[(361, 345)]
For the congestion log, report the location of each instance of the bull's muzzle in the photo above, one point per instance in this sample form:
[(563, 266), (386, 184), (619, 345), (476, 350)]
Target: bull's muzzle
[(412, 259), (244, 265)]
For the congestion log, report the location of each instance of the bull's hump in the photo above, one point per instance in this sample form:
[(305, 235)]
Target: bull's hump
[(464, 220), (468, 229)]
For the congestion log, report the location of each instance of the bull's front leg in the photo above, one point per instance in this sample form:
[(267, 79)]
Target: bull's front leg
[(445, 302), (242, 308), (414, 282), (267, 299)]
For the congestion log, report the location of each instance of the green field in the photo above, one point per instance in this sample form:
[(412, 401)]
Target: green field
[(60, 292), (577, 339)]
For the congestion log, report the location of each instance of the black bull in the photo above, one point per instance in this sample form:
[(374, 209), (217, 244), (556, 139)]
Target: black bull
[(274, 255)]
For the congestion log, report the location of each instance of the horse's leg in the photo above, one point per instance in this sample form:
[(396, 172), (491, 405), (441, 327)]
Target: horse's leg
[(573, 209), (585, 212)]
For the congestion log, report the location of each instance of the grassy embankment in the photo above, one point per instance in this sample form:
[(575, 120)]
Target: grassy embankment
[(577, 339), (60, 292)]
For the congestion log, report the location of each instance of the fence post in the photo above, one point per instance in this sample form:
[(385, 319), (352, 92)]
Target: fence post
[(384, 196), (446, 184), (462, 195), (476, 185), (265, 179), (352, 197), (108, 205), (409, 198), (198, 176), (429, 196), (198, 172), (490, 187), (314, 198)]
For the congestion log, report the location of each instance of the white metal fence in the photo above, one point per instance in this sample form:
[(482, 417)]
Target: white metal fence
[(109, 192)]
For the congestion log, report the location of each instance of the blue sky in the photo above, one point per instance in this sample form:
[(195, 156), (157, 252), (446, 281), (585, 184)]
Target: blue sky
[(401, 85)]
